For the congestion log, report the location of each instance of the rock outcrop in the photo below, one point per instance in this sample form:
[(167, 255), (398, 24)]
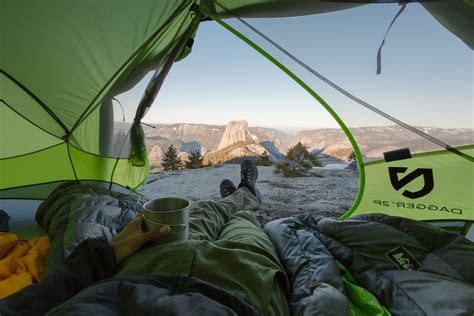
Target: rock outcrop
[(234, 153), (235, 132), (186, 137), (155, 156)]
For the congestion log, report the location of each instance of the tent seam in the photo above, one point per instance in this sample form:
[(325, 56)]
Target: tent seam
[(75, 147), (37, 100), (70, 160), (32, 152), (29, 121), (91, 106), (57, 181), (424, 154), (113, 173)]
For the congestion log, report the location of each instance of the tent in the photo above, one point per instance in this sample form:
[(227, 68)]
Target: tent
[(62, 63)]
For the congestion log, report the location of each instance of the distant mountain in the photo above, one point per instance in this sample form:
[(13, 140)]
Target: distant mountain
[(374, 141), (223, 141), (211, 138), (201, 136), (274, 153), (278, 139)]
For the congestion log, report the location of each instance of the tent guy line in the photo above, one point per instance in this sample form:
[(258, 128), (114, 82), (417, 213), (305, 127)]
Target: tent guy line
[(345, 92)]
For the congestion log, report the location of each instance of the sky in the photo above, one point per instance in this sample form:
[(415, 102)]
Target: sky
[(426, 75)]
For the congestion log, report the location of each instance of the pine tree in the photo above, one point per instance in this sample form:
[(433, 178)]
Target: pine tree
[(299, 162), (195, 160), (171, 161), (264, 160), (352, 156)]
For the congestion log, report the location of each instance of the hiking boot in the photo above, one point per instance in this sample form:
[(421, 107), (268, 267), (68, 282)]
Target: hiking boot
[(248, 177), (227, 188)]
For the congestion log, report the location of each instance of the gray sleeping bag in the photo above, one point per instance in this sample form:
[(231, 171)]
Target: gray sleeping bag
[(411, 267), (75, 212)]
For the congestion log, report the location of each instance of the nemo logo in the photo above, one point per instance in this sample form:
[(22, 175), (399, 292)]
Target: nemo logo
[(399, 183)]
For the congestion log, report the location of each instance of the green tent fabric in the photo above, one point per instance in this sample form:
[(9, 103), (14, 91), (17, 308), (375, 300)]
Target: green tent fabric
[(456, 16), (361, 301), (62, 63), (56, 81)]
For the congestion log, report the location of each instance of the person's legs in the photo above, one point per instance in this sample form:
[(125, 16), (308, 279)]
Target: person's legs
[(243, 227), (229, 250), (207, 218)]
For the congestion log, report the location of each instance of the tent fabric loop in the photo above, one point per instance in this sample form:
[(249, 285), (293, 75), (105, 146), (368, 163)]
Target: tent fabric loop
[(121, 106), (148, 125), (399, 154), (379, 52)]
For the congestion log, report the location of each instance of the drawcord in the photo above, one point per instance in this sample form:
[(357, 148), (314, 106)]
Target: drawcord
[(379, 52)]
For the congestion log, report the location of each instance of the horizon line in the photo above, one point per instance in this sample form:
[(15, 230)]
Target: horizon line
[(296, 127)]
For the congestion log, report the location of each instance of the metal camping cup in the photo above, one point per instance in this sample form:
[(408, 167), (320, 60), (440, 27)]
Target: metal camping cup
[(170, 211)]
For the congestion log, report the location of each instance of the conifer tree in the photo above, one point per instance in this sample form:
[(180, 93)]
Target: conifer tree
[(352, 156), (264, 160), (171, 161), (195, 160), (299, 162)]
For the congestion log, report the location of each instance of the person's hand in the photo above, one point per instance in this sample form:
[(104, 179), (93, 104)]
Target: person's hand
[(132, 237)]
